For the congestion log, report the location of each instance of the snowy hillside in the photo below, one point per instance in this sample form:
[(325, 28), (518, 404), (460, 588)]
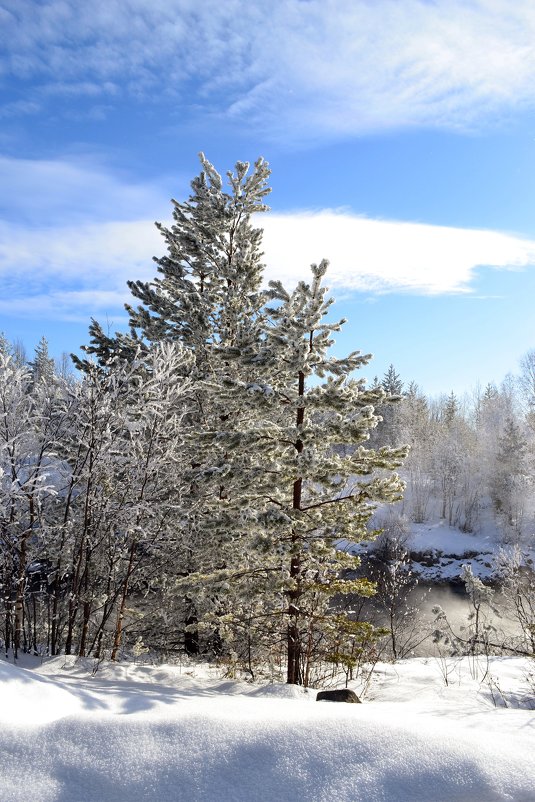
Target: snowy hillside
[(171, 734), (438, 551)]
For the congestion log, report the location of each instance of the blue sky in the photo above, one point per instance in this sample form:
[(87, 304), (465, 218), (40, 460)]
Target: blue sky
[(401, 135)]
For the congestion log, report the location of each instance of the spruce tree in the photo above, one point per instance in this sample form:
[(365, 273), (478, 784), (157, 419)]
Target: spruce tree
[(42, 365), (392, 383), (451, 408), (389, 432), (510, 481)]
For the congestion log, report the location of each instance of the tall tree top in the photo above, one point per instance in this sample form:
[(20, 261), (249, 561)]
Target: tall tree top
[(207, 292), (42, 364), (451, 408), (392, 383)]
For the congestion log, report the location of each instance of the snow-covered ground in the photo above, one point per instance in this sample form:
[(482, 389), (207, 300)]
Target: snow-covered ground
[(139, 733), (451, 549)]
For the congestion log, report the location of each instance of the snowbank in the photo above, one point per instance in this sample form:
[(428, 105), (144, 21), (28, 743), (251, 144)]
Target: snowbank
[(439, 551), (151, 734)]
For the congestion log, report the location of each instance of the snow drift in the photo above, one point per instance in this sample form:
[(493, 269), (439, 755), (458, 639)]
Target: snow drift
[(157, 734)]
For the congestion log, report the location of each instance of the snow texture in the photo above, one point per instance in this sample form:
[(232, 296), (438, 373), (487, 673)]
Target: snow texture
[(136, 733), (445, 549)]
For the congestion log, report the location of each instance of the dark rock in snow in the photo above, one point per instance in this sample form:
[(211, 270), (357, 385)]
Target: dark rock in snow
[(338, 695)]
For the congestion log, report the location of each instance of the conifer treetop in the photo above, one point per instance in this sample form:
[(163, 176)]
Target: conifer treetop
[(208, 289)]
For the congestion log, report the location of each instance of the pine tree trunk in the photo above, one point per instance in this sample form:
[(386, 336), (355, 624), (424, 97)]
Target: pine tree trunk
[(293, 637), (293, 674)]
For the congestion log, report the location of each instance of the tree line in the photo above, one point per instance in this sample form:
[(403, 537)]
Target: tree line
[(472, 460)]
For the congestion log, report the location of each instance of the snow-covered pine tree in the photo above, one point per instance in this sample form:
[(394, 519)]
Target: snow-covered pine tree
[(207, 292), (42, 365), (292, 497), (326, 497), (392, 383), (207, 296), (389, 433), (269, 496)]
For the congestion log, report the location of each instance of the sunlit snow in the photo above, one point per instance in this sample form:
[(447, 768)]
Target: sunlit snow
[(142, 733)]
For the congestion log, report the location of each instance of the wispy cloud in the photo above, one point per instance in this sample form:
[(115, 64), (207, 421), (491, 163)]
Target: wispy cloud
[(71, 235), (294, 69), (19, 108), (73, 306), (43, 192), (92, 255), (71, 272)]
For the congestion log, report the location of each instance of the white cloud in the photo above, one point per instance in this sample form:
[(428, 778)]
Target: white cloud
[(79, 267), (103, 255), (388, 256), (71, 271), (298, 70)]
